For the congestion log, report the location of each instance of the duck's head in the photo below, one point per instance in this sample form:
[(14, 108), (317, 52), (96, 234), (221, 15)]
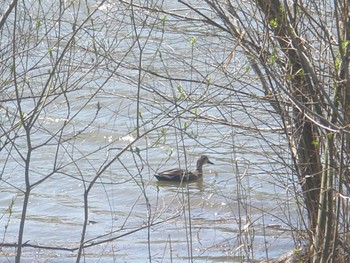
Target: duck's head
[(203, 160)]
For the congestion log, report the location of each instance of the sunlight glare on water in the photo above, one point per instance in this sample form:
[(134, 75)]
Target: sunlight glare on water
[(131, 216)]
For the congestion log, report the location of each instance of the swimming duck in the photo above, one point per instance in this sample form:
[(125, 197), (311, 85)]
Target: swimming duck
[(184, 175)]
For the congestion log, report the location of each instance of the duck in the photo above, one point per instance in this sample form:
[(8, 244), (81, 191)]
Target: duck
[(180, 175)]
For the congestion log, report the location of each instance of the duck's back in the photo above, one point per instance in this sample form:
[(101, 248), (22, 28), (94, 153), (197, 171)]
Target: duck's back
[(176, 175)]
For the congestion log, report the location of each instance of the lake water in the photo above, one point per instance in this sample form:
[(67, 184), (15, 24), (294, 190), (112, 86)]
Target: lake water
[(243, 208)]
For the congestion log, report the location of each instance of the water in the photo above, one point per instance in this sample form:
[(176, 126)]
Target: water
[(241, 211), (118, 206)]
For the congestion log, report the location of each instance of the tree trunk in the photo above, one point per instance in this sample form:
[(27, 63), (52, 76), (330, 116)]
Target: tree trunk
[(304, 137)]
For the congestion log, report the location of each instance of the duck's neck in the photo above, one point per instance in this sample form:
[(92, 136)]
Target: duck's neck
[(199, 168)]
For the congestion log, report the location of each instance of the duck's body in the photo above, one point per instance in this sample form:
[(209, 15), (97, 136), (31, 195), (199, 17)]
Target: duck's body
[(179, 175)]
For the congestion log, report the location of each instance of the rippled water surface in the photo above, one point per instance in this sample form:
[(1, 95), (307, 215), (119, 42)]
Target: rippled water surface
[(207, 220), (240, 211)]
